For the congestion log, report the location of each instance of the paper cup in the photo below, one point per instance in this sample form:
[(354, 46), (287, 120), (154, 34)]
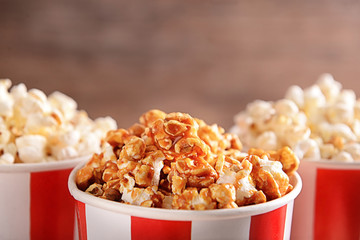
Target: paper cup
[(328, 206), (35, 202), (103, 219)]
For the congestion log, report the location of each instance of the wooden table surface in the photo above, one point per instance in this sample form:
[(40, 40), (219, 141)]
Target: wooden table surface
[(207, 58)]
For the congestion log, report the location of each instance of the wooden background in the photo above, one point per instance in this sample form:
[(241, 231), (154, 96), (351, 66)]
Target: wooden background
[(207, 58)]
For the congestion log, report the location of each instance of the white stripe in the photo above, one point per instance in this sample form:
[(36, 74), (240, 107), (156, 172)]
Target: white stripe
[(100, 224), (233, 229), (76, 228), (304, 206), (15, 206), (288, 220)]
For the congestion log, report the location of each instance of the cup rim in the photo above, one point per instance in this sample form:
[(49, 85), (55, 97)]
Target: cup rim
[(43, 166), (326, 163), (182, 215)]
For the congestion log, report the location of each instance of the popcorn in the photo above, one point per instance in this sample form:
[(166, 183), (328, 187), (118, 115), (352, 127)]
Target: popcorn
[(37, 128), (295, 94), (316, 122), (343, 157), (267, 140), (6, 102), (31, 148), (7, 158), (282, 124), (329, 87), (353, 149), (175, 161), (66, 105)]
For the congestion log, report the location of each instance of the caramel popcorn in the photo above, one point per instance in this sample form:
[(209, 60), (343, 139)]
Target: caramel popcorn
[(175, 161), (320, 122), (38, 128)]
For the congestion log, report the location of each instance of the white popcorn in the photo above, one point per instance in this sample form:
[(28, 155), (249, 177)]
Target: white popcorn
[(158, 166), (18, 91), (343, 157), (286, 107), (267, 141), (4, 133), (347, 97), (327, 131), (31, 148), (37, 123), (70, 138), (295, 94), (307, 148), (10, 148), (245, 189), (329, 87), (37, 128), (105, 123), (355, 127), (82, 122), (227, 176), (137, 196), (108, 152), (313, 97), (67, 152), (354, 150), (295, 134), (89, 143), (314, 101), (34, 102), (321, 121), (328, 150), (260, 110), (130, 183), (243, 123), (6, 102), (357, 109), (340, 113), (7, 158), (64, 103)]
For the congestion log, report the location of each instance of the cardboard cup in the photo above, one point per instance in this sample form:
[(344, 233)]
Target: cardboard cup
[(328, 206), (103, 219), (35, 202)]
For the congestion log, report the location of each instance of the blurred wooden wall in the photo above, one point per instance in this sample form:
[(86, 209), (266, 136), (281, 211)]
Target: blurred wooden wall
[(208, 58)]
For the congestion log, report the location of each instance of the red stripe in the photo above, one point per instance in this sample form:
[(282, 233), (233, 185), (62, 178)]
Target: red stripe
[(81, 220), (144, 228), (51, 206), (337, 206), (269, 225)]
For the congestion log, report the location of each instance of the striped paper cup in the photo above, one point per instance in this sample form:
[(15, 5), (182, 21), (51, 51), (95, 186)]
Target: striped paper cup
[(103, 219), (329, 204), (35, 202)]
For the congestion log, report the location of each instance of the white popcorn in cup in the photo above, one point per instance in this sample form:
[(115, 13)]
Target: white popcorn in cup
[(31, 148), (41, 140), (326, 138), (46, 128)]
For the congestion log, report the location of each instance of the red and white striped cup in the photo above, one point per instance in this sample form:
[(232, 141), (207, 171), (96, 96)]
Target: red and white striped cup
[(35, 202), (328, 206), (103, 219)]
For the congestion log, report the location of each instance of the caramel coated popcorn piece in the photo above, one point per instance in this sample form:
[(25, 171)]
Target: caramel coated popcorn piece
[(175, 161), (289, 161), (269, 177)]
